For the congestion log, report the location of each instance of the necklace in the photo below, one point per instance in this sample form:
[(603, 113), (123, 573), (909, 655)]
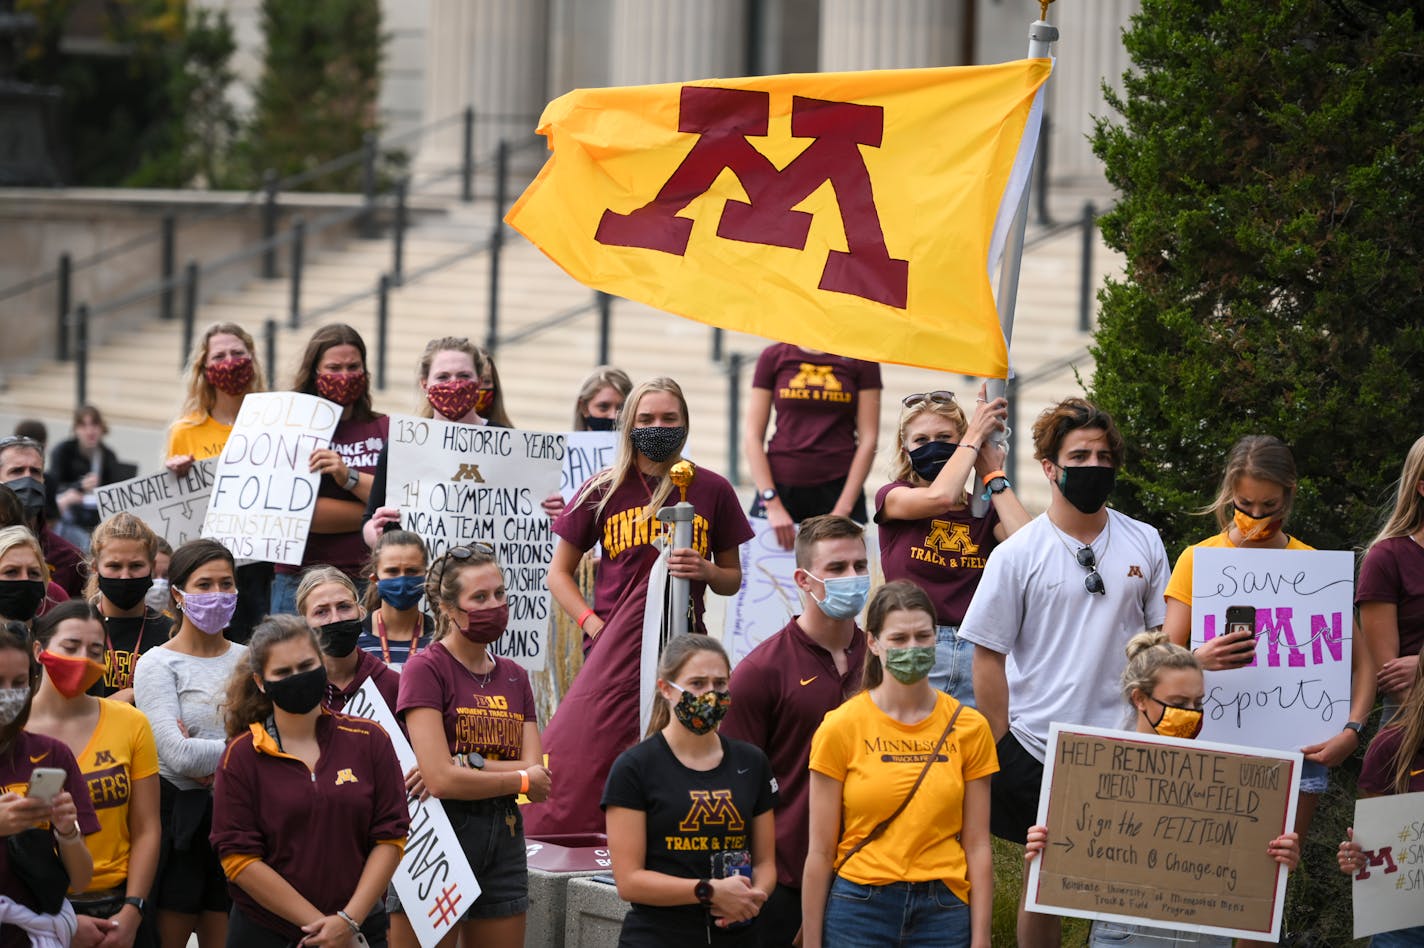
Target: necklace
[(483, 682), (109, 654), (1064, 538)]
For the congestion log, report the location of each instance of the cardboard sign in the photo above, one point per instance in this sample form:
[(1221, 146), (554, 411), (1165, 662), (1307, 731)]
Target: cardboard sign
[(458, 484), (172, 506), (1389, 890), (1296, 691), (585, 454), (1169, 833), (434, 880), (264, 492), (768, 598)]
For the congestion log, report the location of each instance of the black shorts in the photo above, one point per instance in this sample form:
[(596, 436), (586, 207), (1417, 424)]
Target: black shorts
[(244, 931), (1014, 791), (690, 925), (497, 855), (190, 878), (811, 500)]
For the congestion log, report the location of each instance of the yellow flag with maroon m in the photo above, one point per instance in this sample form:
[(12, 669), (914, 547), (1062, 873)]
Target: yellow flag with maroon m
[(857, 213)]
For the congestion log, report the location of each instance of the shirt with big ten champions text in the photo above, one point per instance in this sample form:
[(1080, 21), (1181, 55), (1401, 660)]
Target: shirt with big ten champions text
[(692, 815), (119, 753), (815, 396), (359, 443), (315, 828), (780, 693), (483, 713), (943, 555)]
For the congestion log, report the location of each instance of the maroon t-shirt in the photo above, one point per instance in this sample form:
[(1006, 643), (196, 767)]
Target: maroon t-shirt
[(359, 443), (484, 715), (1393, 571), (942, 555), (65, 561), (28, 752), (780, 693), (815, 397), (367, 666), (1377, 772)]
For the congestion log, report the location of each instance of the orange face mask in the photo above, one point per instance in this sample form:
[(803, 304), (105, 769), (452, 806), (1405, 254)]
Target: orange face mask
[(72, 675), (1256, 528), (1177, 722)]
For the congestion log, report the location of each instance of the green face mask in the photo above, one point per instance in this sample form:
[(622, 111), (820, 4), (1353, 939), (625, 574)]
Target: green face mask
[(909, 665)]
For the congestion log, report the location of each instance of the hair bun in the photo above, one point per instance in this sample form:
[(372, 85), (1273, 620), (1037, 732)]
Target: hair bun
[(1142, 641)]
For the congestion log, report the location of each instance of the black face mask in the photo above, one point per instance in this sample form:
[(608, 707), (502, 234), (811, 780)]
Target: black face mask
[(338, 639), (929, 458), (20, 598), (1087, 488), (599, 424), (299, 693), (658, 444), (125, 593), (31, 493)]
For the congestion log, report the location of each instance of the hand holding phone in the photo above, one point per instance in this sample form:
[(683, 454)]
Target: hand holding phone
[(1240, 634), (45, 784)]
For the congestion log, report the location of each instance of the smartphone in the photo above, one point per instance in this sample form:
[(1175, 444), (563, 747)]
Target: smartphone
[(1241, 619), (46, 783)]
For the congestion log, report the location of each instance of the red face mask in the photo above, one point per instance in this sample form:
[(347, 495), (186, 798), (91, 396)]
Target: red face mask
[(344, 388), (72, 675), (231, 376), (483, 626), (453, 399), (484, 401)]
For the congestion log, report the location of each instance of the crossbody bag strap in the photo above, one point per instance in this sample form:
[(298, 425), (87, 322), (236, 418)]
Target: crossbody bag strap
[(880, 828)]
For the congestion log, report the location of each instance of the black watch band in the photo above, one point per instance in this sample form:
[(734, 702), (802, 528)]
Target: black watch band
[(767, 495), (703, 891), (137, 903), (1357, 727)]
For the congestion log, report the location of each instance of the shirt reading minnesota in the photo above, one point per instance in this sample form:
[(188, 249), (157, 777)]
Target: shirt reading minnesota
[(1156, 829)]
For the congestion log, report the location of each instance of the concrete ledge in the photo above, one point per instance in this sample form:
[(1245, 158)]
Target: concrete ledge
[(594, 914), (548, 898)]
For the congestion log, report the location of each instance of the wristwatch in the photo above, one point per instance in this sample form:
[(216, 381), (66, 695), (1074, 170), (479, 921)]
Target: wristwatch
[(475, 761), (1357, 727), (704, 892), (997, 485), (768, 495), (352, 479), (137, 903)]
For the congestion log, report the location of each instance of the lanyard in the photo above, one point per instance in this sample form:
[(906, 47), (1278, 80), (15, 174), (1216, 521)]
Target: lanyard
[(380, 626)]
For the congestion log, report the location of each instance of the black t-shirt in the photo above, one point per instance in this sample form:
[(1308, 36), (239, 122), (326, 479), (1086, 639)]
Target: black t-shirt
[(692, 814), (129, 637)]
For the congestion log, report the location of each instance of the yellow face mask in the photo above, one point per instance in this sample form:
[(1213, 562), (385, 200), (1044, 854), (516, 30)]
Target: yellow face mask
[(1175, 721), (1258, 529)]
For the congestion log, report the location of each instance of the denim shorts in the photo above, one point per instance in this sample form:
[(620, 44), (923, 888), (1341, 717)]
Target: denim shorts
[(1120, 935), (953, 671), (898, 915), (497, 855), (1314, 778), (1399, 938)]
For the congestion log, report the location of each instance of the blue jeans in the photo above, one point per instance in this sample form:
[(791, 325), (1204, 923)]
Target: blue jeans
[(953, 671), (1400, 938), (284, 594), (898, 915)]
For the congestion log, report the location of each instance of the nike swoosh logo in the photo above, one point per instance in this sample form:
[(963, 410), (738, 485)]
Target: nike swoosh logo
[(747, 771), (807, 681), (36, 760)]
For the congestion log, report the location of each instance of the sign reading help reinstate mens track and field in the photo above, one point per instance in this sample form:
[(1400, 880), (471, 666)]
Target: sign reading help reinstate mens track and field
[(1388, 892), (459, 484), (1163, 832), (264, 493), (1296, 690), (173, 506), (434, 880)]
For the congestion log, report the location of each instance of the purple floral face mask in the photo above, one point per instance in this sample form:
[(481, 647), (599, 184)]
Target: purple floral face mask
[(211, 612)]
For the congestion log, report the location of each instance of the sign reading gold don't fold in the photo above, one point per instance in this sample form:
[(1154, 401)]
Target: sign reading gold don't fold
[(858, 213)]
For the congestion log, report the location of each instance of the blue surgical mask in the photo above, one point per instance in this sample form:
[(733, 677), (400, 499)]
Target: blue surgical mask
[(845, 595), (401, 592)]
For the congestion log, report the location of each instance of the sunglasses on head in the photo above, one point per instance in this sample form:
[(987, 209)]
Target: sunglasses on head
[(934, 398), (1093, 582)]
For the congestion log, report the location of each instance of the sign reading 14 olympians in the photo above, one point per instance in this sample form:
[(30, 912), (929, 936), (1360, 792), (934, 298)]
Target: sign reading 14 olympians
[(460, 484)]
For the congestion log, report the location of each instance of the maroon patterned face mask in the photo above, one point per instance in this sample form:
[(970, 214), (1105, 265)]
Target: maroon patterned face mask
[(453, 399), (484, 401), (231, 376), (344, 388)]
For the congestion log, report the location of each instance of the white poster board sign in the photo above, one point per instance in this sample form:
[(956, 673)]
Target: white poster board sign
[(434, 880), (172, 506), (264, 493), (586, 453), (768, 597), (1296, 690), (458, 484), (1389, 891)]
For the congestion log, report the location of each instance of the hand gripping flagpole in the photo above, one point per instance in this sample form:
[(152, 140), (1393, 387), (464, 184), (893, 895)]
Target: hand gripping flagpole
[(679, 599)]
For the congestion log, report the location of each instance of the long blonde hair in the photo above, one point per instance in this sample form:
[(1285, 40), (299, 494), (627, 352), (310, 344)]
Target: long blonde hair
[(1408, 513), (900, 468), (625, 460), (1411, 738), (605, 376), (201, 397), (1263, 457), (433, 348)]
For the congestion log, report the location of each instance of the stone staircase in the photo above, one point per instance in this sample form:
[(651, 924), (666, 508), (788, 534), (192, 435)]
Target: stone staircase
[(136, 379)]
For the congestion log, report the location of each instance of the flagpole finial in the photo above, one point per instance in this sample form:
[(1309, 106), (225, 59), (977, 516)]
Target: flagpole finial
[(1043, 6)]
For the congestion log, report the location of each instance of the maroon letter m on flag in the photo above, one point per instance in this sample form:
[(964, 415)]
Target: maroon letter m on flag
[(724, 118)]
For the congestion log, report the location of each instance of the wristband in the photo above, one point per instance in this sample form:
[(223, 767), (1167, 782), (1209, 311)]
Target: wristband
[(523, 781), (972, 447), (993, 474), (584, 618), (352, 479), (355, 928), (69, 837)]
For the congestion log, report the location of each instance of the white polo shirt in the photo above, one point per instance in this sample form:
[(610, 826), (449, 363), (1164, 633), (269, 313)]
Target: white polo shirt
[(1066, 647)]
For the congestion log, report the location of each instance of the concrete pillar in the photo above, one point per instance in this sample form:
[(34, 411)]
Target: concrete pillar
[(677, 40), (891, 34)]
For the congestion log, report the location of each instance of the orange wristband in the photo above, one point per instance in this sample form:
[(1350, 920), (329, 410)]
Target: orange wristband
[(523, 781), (584, 618), (993, 474)]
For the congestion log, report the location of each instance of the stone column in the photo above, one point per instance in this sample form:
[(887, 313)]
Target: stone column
[(677, 40), (891, 34)]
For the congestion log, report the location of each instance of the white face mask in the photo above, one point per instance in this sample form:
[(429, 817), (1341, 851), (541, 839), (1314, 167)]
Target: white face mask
[(157, 596), (12, 702)]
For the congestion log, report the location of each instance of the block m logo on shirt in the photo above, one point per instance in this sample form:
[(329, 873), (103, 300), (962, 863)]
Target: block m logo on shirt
[(711, 808), (950, 537), (815, 376)]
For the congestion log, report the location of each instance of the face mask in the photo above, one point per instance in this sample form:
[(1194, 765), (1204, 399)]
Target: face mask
[(20, 598), (658, 444), (483, 400), (453, 399), (299, 693), (338, 639), (483, 626), (845, 595), (591, 423), (929, 459), (210, 612), (344, 388), (157, 598), (1087, 488), (401, 592), (701, 713), (231, 376), (1177, 722), (12, 704), (1256, 528), (31, 492), (71, 675), (909, 665), (125, 593)]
